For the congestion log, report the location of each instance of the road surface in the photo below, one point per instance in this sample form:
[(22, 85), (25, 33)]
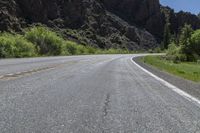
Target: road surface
[(89, 94)]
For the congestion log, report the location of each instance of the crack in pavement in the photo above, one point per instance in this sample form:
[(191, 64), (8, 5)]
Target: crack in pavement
[(106, 105)]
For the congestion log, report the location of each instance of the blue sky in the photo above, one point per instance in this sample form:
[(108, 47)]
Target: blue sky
[(192, 6)]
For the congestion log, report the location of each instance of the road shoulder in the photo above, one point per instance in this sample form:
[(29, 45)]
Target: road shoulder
[(190, 87)]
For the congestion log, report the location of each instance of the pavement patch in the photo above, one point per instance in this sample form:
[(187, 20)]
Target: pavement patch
[(12, 76)]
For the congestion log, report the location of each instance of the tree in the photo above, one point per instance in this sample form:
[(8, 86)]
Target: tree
[(183, 50), (195, 44), (185, 39), (167, 36), (198, 15), (185, 35)]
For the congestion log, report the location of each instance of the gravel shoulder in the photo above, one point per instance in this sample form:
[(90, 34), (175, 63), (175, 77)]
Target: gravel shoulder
[(190, 87)]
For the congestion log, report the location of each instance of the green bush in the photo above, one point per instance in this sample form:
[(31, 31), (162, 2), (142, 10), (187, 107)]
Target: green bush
[(72, 48), (157, 50), (113, 51), (81, 50), (69, 48), (47, 41), (91, 50), (174, 53), (40, 40), (15, 46)]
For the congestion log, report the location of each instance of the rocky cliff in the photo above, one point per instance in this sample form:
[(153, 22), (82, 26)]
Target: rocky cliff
[(178, 20), (131, 24), (143, 13)]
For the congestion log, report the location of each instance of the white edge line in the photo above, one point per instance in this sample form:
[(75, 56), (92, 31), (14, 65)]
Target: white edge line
[(174, 88)]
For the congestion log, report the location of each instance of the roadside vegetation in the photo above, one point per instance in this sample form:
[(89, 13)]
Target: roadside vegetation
[(14, 45), (182, 54), (186, 70), (42, 41), (186, 48)]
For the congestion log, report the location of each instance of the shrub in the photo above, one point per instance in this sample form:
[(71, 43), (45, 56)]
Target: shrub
[(40, 40), (47, 41), (69, 48), (80, 49), (15, 46), (72, 48), (91, 50), (157, 50), (115, 51), (174, 53)]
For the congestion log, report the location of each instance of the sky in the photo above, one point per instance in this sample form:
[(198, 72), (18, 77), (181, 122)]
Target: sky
[(192, 6)]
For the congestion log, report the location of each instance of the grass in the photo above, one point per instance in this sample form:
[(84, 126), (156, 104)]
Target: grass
[(186, 70)]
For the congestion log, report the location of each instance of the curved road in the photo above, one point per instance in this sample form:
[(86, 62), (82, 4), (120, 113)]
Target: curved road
[(89, 94)]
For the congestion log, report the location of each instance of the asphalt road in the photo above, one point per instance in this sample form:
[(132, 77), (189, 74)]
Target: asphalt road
[(89, 94)]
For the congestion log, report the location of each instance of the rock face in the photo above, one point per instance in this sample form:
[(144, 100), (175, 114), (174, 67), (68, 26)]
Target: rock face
[(8, 19), (143, 13), (178, 20), (131, 24)]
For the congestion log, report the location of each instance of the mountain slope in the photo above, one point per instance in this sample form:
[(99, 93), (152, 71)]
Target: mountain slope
[(178, 20), (131, 24), (143, 13)]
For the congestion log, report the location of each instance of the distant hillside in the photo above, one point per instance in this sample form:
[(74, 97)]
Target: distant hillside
[(177, 20), (131, 24)]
